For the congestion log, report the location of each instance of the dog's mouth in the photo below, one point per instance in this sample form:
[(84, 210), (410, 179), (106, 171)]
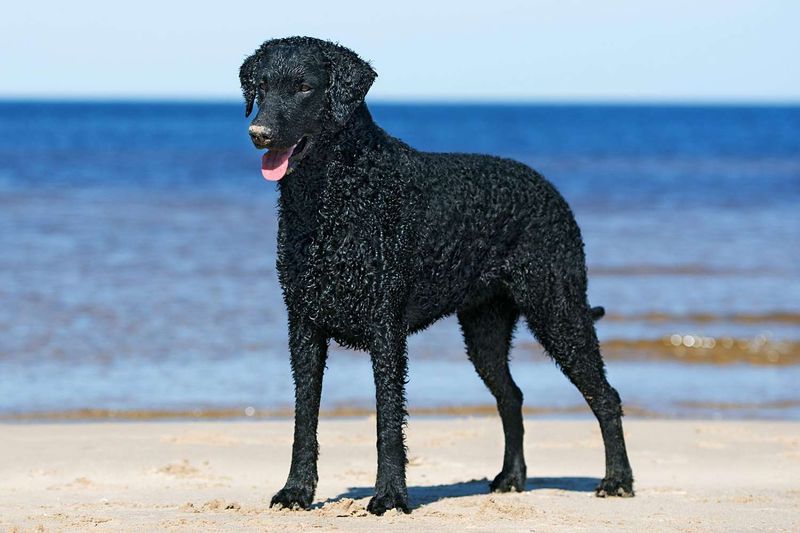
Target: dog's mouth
[(275, 164)]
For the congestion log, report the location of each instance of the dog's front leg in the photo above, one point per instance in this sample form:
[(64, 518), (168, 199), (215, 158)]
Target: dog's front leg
[(389, 366), (309, 350)]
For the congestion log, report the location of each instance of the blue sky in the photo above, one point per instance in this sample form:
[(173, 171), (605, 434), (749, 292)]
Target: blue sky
[(562, 50)]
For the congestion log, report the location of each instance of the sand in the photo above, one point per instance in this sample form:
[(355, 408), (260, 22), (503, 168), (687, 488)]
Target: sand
[(189, 476)]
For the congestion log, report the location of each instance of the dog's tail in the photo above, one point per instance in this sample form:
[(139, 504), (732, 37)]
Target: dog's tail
[(598, 312)]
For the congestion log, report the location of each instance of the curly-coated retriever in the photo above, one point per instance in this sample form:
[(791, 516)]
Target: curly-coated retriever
[(377, 241)]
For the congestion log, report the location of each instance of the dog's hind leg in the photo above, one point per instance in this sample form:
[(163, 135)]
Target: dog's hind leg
[(488, 330), (564, 324)]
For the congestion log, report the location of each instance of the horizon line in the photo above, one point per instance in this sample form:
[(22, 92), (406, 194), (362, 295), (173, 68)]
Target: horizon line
[(456, 101)]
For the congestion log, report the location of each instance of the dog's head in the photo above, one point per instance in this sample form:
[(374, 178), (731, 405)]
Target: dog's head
[(303, 87)]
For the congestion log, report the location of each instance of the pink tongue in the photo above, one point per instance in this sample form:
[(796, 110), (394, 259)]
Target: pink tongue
[(275, 163)]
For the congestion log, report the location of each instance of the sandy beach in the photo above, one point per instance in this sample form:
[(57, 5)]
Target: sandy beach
[(691, 476)]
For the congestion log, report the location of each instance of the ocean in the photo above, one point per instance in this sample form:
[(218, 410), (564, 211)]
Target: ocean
[(137, 261)]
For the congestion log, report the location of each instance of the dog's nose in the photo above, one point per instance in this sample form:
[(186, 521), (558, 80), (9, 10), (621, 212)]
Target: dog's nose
[(261, 135)]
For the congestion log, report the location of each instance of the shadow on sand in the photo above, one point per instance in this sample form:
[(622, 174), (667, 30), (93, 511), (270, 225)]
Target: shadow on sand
[(423, 495)]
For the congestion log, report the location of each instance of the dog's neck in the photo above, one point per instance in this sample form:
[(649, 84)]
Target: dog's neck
[(358, 135), (359, 124), (335, 148), (327, 165)]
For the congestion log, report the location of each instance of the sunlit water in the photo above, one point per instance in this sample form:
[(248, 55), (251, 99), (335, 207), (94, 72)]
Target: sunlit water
[(137, 252)]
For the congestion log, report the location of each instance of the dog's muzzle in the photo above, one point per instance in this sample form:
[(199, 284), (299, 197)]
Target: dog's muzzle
[(260, 135)]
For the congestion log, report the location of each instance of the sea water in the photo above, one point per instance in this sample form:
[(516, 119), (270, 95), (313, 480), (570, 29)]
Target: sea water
[(137, 258)]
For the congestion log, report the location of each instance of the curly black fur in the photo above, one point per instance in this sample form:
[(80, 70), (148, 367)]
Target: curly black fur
[(377, 240)]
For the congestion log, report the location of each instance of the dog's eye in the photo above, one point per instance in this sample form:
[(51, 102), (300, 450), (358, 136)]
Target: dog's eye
[(305, 88)]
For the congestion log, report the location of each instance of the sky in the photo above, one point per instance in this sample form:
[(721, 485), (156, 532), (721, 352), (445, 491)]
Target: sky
[(498, 50)]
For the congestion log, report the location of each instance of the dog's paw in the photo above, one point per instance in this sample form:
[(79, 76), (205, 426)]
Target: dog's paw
[(388, 499), (512, 480), (615, 487), (293, 498)]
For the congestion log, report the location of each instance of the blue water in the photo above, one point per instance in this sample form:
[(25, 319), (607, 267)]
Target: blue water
[(137, 247)]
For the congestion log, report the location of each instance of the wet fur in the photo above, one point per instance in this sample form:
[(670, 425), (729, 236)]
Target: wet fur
[(377, 241)]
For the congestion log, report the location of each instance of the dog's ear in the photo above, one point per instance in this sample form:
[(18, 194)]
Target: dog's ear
[(350, 79), (247, 79)]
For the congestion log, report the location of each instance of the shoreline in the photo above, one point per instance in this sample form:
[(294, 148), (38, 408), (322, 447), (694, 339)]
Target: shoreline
[(690, 475), (249, 413)]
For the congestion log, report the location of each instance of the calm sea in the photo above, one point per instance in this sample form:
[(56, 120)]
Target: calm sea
[(137, 253)]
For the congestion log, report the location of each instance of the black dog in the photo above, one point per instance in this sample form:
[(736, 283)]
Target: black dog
[(377, 241)]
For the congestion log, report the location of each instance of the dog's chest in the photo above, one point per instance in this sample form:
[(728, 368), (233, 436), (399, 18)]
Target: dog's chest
[(342, 273)]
